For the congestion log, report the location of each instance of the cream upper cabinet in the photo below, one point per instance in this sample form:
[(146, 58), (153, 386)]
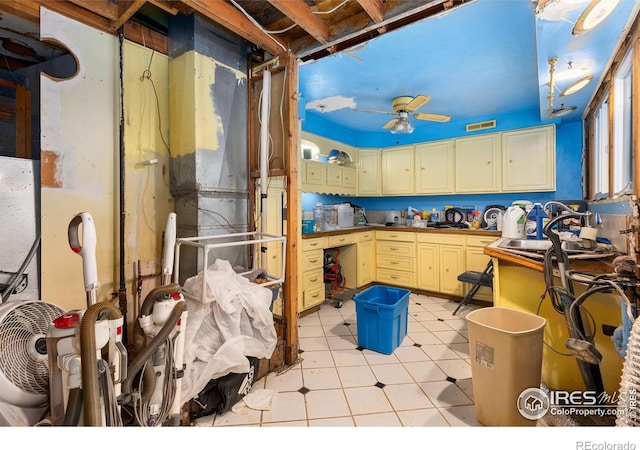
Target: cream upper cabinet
[(477, 164), (315, 173), (434, 165), (397, 171), (529, 159), (369, 179)]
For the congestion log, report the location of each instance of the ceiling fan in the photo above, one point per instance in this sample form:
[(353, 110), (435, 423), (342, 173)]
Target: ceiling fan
[(404, 105)]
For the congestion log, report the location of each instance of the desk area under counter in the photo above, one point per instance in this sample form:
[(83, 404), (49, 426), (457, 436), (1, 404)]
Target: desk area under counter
[(424, 260)]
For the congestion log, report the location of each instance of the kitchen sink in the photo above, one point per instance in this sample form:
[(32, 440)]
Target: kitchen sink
[(533, 245)]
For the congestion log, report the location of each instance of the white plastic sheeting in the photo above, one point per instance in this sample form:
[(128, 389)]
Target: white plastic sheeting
[(235, 321)]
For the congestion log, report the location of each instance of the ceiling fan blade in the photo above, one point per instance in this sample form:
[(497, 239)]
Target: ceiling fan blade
[(390, 124), (432, 117), (374, 111), (417, 102)]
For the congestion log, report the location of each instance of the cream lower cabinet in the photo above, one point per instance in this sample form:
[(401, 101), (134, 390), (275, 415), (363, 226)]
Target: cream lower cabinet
[(395, 258), (477, 260), (311, 281), (366, 256), (441, 258)]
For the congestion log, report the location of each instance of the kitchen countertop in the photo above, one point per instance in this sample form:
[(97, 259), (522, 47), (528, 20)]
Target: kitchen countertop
[(463, 231)]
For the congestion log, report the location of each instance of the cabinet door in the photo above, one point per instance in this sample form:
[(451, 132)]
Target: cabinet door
[(334, 175), (427, 267), (478, 163), (528, 161), (434, 167), (366, 259), (369, 179), (315, 173), (397, 171), (451, 265), (349, 179)]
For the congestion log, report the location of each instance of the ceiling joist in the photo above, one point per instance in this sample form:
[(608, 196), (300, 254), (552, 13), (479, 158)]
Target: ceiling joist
[(125, 11), (301, 14), (373, 8)]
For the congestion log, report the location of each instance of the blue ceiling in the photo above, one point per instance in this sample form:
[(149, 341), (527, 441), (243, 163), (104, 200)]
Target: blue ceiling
[(485, 60)]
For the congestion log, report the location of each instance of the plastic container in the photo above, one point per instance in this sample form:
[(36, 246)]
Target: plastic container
[(505, 346), (536, 220), (513, 223), (318, 217), (345, 216), (382, 313)]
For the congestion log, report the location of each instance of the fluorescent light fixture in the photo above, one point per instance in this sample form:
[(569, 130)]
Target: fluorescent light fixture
[(563, 111), (593, 15), (575, 87)]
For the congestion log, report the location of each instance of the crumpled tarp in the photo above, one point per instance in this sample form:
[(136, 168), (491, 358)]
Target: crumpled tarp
[(233, 321)]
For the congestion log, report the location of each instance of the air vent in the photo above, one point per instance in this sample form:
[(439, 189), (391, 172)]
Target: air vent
[(481, 125)]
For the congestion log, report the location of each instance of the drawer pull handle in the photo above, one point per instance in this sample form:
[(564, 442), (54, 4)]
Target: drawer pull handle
[(395, 262), (313, 261), (316, 295), (314, 244), (393, 235), (394, 249), (395, 277), (316, 279)]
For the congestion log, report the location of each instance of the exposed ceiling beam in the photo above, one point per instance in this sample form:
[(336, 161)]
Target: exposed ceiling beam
[(105, 8), (165, 6), (125, 11), (232, 19), (373, 8), (301, 14), (28, 10)]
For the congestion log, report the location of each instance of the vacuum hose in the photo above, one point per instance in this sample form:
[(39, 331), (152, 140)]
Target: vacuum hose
[(628, 413), (147, 352), (90, 386)]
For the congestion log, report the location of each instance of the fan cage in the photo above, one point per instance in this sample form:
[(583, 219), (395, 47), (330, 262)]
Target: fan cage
[(19, 330)]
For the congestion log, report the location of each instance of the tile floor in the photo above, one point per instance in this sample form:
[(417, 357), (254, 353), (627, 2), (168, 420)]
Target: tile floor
[(426, 381)]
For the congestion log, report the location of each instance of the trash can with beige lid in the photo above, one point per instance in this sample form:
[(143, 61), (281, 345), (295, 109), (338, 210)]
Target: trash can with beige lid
[(505, 346)]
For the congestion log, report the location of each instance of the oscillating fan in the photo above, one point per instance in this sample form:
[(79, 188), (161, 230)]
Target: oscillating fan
[(24, 365)]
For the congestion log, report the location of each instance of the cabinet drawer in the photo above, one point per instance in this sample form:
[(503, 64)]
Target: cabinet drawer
[(390, 262), (367, 236), (313, 278), (342, 239), (404, 236), (312, 259), (441, 238), (405, 279), (480, 241), (313, 244), (395, 249), (312, 297)]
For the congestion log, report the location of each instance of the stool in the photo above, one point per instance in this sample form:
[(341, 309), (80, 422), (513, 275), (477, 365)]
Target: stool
[(479, 279)]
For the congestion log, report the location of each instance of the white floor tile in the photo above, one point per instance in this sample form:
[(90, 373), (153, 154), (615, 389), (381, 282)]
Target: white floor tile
[(413, 326), (322, 358), (332, 422), (341, 342), (435, 325), (456, 324), (445, 394), (424, 338), (309, 320), (311, 331), (425, 371), (351, 357), (450, 337), (467, 386), (461, 416), (422, 418), (287, 406), (339, 329), (354, 376), (455, 368), (366, 400), (375, 358), (461, 349), (326, 403), (246, 416), (290, 380), (391, 374), (407, 396), (422, 316), (321, 378), (439, 351), (410, 353), (297, 423), (313, 343), (378, 420)]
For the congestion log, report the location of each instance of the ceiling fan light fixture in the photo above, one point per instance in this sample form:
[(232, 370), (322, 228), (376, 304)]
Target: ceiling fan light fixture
[(595, 12), (402, 126), (562, 111), (575, 87)]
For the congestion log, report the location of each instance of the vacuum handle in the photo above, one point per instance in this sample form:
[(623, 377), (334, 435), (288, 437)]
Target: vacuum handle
[(86, 249), (169, 247)]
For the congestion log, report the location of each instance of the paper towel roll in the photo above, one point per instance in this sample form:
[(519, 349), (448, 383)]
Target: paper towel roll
[(588, 233)]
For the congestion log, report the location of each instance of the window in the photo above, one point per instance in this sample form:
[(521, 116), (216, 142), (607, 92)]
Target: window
[(622, 129), (601, 150)]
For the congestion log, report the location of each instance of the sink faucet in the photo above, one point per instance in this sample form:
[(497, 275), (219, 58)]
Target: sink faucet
[(566, 208)]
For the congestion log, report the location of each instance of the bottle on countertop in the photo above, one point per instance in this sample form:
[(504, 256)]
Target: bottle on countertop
[(318, 217), (536, 220), (499, 221)]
